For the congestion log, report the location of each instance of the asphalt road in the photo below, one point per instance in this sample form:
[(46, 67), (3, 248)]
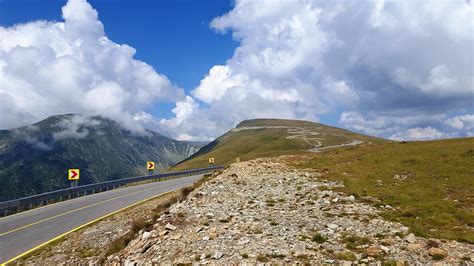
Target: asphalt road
[(27, 230)]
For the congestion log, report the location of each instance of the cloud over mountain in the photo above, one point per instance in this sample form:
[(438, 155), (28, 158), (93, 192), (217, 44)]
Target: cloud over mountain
[(49, 68)]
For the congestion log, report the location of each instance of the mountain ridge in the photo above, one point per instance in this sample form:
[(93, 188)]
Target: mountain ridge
[(35, 158)]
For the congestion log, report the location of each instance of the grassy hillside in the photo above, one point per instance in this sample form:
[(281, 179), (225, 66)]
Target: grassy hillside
[(430, 184), (270, 137)]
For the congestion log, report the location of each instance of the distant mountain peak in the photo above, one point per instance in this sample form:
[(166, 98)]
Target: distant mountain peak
[(34, 158)]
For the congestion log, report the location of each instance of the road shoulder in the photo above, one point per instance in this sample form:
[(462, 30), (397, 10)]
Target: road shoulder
[(89, 244)]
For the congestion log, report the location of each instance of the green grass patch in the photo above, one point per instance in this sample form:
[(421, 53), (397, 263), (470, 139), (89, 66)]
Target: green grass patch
[(318, 238), (353, 241), (277, 256), (270, 202), (225, 220), (262, 258), (438, 256), (349, 256)]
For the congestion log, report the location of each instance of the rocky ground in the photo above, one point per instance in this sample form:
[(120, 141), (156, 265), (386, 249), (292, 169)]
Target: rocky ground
[(263, 211)]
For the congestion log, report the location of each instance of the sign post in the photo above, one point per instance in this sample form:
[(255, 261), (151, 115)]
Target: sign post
[(211, 160), (73, 176), (150, 166)]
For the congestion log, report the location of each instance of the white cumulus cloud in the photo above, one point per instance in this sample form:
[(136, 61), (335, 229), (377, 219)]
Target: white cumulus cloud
[(418, 133), (462, 122), (384, 66), (49, 68)]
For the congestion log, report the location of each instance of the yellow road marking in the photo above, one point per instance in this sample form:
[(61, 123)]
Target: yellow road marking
[(81, 208), (79, 227), (56, 203), (49, 205)]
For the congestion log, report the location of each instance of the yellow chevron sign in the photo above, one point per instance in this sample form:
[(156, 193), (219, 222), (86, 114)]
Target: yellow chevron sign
[(150, 165), (73, 174)]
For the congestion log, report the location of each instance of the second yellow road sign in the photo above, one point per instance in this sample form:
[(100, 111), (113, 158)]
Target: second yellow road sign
[(211, 160)]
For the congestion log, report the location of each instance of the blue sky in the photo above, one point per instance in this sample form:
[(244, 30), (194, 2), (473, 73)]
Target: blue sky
[(194, 69)]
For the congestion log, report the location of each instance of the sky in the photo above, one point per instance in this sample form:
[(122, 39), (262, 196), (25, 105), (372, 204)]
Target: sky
[(402, 70)]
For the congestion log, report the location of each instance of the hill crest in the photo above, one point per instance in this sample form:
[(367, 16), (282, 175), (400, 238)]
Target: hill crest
[(256, 138)]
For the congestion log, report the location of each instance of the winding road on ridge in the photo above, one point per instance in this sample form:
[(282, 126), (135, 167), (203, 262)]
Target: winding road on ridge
[(26, 231), (304, 134)]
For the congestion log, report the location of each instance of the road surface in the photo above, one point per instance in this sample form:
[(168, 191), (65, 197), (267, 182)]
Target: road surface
[(25, 231)]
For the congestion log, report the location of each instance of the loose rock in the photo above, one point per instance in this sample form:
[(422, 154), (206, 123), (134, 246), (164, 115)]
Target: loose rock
[(437, 252), (218, 255), (410, 238), (170, 227), (146, 235)]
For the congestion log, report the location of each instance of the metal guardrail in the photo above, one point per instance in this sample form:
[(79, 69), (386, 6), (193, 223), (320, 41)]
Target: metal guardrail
[(30, 202)]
